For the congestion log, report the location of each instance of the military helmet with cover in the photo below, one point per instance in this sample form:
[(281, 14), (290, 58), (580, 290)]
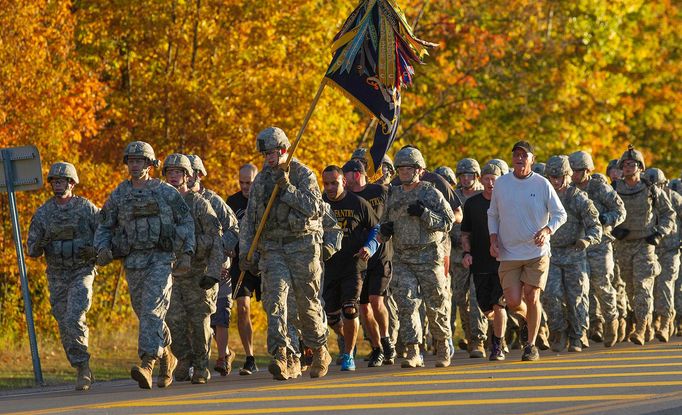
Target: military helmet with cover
[(491, 168), (501, 164), (139, 149), (62, 169), (613, 164), (468, 166), (539, 168), (447, 173), (359, 153), (632, 154), (197, 164), (272, 138), (409, 156), (558, 166), (581, 160), (179, 161), (388, 162), (655, 176), (676, 185)]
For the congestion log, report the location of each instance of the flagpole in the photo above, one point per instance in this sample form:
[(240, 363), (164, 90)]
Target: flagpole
[(275, 191)]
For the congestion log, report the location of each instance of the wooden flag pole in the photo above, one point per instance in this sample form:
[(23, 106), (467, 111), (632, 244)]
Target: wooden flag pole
[(275, 191)]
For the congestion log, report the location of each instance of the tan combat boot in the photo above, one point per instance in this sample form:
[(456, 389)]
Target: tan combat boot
[(443, 353), (638, 336), (477, 349), (597, 331), (610, 333), (293, 366), (622, 329), (559, 341), (83, 377), (413, 358), (664, 329), (278, 364), (143, 373), (167, 365), (649, 334), (321, 361)]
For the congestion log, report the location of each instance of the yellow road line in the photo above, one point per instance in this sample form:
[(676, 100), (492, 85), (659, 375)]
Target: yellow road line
[(604, 359), (398, 393), (428, 404), (595, 408), (643, 351)]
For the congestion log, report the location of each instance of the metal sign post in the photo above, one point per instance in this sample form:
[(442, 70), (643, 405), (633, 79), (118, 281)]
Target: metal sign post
[(22, 171)]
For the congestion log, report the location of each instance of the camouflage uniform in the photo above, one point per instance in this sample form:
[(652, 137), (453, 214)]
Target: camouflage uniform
[(565, 296), (64, 233), (668, 252), (191, 306), (147, 227), (418, 273), (289, 250)]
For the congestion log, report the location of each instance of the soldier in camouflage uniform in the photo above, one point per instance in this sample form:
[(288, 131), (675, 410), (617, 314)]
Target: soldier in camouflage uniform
[(418, 219), (289, 250), (668, 252), (638, 236), (474, 323), (676, 186), (193, 299), (220, 320), (613, 172), (63, 229), (447, 173), (565, 298), (600, 256), (146, 223)]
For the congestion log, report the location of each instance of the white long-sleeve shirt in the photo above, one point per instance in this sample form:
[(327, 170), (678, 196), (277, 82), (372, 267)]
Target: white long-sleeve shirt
[(518, 209)]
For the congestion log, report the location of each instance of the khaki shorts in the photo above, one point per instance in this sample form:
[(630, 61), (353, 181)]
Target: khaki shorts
[(528, 271)]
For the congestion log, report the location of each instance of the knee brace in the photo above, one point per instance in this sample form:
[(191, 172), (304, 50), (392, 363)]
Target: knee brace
[(347, 313), (333, 319)]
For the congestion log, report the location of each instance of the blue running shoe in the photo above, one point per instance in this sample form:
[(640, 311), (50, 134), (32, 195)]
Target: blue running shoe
[(347, 363)]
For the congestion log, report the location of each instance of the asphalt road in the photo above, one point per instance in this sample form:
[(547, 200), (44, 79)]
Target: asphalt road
[(624, 380)]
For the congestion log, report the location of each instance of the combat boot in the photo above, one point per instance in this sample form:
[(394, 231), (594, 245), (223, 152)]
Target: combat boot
[(622, 329), (167, 365), (321, 361), (143, 373), (278, 365), (388, 350), (83, 377), (413, 358), (542, 340), (638, 335), (182, 370), (477, 349), (663, 331), (293, 366), (200, 376), (443, 354), (610, 333), (575, 346), (559, 341), (597, 331), (679, 326), (649, 333)]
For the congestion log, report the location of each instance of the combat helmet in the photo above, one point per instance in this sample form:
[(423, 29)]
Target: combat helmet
[(613, 164), (468, 166), (139, 149), (272, 138), (359, 153), (197, 164), (62, 169), (388, 162), (447, 173), (632, 154), (501, 164), (177, 160), (409, 156), (539, 168), (558, 166), (676, 185), (655, 176), (581, 160), (491, 168)]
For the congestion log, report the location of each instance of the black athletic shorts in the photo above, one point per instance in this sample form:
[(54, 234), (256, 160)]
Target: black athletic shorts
[(488, 291), (376, 281), (340, 288), (250, 284)]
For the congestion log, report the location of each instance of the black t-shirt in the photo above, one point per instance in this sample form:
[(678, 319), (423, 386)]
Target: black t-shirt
[(475, 223), (356, 218), (376, 195), (237, 202)]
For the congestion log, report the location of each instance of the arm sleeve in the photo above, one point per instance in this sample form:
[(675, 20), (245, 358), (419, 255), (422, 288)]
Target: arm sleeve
[(615, 209), (184, 223), (108, 218), (557, 213), (305, 197), (213, 230), (36, 236), (228, 221), (371, 222), (438, 217), (664, 212), (590, 219)]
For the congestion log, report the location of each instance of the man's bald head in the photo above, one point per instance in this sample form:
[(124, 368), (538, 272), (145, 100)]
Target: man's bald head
[(247, 173)]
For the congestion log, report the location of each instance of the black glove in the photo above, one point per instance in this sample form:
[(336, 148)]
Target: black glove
[(104, 257), (87, 253), (281, 177), (327, 252), (620, 233), (416, 209), (603, 218), (207, 282), (654, 239), (386, 229)]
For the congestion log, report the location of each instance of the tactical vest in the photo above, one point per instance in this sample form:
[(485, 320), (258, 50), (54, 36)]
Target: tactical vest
[(69, 233), (573, 229), (639, 204), (409, 231)]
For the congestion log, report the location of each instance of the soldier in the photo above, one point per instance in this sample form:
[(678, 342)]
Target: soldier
[(600, 256), (501, 164), (668, 253), (418, 218), (147, 223), (220, 320), (447, 173), (289, 251), (565, 298), (387, 172), (63, 229), (539, 168), (676, 185), (251, 283), (638, 236), (613, 172)]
